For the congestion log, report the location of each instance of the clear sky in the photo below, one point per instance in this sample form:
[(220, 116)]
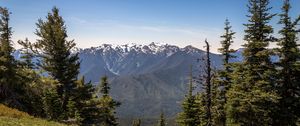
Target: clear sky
[(178, 22)]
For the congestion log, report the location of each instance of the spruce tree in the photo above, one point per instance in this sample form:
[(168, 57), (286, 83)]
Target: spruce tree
[(6, 60), (52, 104), (32, 82), (57, 59), (222, 79), (190, 114), (33, 86), (227, 41), (83, 106), (162, 120), (288, 84), (252, 97), (11, 89), (107, 105)]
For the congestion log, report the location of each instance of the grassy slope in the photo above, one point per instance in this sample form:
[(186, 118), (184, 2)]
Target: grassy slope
[(13, 117)]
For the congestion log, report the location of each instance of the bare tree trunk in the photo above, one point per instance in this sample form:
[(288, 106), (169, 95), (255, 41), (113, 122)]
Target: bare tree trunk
[(208, 85)]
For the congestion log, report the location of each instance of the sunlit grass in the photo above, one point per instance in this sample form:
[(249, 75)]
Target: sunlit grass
[(14, 117)]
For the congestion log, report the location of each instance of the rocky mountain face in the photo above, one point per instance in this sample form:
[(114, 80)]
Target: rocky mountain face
[(147, 79)]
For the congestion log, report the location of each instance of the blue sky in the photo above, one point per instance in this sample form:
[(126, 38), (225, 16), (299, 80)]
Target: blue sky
[(178, 22)]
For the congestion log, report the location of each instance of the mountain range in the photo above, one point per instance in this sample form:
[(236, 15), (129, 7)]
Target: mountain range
[(146, 79)]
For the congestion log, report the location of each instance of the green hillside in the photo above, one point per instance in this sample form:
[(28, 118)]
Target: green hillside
[(13, 117)]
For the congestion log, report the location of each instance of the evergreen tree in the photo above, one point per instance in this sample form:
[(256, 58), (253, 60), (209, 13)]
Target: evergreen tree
[(6, 60), (33, 90), (225, 50), (288, 73), (11, 89), (136, 122), (52, 104), (57, 59), (40, 97), (107, 105), (190, 114), (222, 80), (162, 120), (82, 104), (252, 97)]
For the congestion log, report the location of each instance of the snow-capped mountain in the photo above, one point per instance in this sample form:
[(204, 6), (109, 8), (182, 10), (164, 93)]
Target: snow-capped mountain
[(114, 60), (145, 78), (152, 48)]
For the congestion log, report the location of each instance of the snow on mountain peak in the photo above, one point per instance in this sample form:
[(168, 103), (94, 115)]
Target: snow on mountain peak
[(155, 48), (191, 49), (152, 48)]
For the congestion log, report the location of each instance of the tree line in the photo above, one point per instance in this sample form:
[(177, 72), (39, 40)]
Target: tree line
[(256, 91)]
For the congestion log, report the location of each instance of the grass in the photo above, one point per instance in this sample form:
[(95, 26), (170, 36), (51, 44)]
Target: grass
[(14, 117)]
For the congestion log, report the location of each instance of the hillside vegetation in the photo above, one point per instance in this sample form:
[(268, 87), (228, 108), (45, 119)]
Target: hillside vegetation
[(14, 117)]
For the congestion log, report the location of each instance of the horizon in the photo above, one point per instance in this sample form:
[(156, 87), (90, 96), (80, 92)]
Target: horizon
[(142, 22), (147, 44)]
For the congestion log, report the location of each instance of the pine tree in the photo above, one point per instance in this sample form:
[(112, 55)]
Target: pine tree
[(252, 97), (107, 105), (226, 52), (288, 73), (222, 79), (40, 96), (11, 89), (82, 105), (32, 81), (190, 114), (6, 60), (33, 90), (136, 122), (57, 59), (162, 120), (52, 104)]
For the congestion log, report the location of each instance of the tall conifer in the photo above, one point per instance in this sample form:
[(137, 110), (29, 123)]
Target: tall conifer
[(107, 105), (57, 59), (252, 97), (288, 69), (222, 79), (11, 89), (81, 105), (190, 114)]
